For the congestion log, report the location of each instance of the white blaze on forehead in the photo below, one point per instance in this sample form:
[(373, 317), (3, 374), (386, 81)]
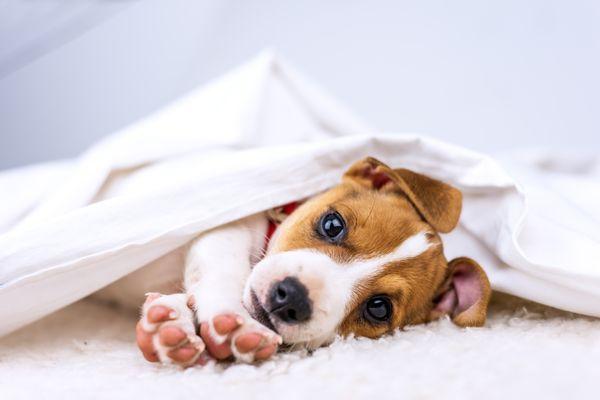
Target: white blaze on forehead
[(410, 248), (335, 284)]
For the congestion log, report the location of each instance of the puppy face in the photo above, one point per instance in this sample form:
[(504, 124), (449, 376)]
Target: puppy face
[(365, 258)]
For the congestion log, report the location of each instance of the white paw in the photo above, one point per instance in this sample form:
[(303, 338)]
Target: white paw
[(242, 341), (170, 322), (238, 334)]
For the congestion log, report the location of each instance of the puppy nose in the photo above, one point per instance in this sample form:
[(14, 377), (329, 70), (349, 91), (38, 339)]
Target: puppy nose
[(289, 301)]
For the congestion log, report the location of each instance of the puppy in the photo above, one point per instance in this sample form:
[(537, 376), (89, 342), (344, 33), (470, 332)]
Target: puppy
[(363, 258)]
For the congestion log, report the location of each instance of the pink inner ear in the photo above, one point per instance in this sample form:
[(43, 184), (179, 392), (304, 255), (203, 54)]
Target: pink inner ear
[(467, 285), (464, 291), (446, 303), (378, 178)]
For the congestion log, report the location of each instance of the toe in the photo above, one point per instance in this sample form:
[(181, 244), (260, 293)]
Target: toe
[(226, 323), (158, 314), (248, 342), (265, 352), (144, 342), (171, 336), (183, 354), (218, 351), (152, 357)]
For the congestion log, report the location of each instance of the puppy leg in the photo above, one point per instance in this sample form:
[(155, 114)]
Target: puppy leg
[(217, 267), (166, 331)]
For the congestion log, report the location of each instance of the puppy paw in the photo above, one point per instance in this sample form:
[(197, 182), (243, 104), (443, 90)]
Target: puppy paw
[(166, 331), (245, 339), (254, 342)]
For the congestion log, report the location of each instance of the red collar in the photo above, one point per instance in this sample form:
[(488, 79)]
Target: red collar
[(276, 216)]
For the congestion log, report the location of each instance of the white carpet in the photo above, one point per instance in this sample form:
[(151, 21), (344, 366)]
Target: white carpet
[(525, 351)]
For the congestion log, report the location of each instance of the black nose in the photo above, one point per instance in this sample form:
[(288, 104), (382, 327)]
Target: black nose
[(289, 301)]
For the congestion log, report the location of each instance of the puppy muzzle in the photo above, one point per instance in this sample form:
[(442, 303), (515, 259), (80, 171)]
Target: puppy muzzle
[(298, 294)]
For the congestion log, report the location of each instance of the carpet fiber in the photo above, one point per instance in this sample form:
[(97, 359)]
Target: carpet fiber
[(525, 350)]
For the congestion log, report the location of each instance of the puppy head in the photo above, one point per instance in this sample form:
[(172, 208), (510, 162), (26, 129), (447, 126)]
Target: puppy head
[(365, 258)]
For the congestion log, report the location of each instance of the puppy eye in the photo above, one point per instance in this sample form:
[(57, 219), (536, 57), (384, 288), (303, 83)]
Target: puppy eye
[(378, 309), (332, 227)]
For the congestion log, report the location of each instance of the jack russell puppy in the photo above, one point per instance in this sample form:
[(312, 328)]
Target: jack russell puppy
[(363, 258)]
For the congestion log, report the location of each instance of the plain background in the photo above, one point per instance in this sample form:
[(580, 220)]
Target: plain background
[(490, 75)]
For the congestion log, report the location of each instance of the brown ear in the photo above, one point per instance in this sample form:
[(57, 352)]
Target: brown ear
[(438, 203), (464, 295)]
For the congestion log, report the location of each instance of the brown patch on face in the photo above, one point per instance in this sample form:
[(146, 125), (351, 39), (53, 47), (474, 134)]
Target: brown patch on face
[(377, 222), (410, 285)]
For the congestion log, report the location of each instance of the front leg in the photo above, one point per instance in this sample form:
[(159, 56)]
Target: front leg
[(217, 267)]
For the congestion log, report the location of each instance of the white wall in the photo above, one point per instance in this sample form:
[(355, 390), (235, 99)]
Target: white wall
[(489, 75)]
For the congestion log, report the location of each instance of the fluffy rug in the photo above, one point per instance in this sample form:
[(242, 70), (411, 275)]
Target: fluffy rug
[(525, 350)]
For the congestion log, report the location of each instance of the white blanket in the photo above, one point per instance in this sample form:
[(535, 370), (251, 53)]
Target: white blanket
[(259, 137)]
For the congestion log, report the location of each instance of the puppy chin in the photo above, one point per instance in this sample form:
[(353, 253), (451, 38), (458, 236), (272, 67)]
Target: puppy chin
[(317, 273), (297, 336)]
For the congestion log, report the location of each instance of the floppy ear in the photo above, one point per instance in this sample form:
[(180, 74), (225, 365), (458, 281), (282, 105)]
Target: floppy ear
[(438, 203), (464, 295)]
